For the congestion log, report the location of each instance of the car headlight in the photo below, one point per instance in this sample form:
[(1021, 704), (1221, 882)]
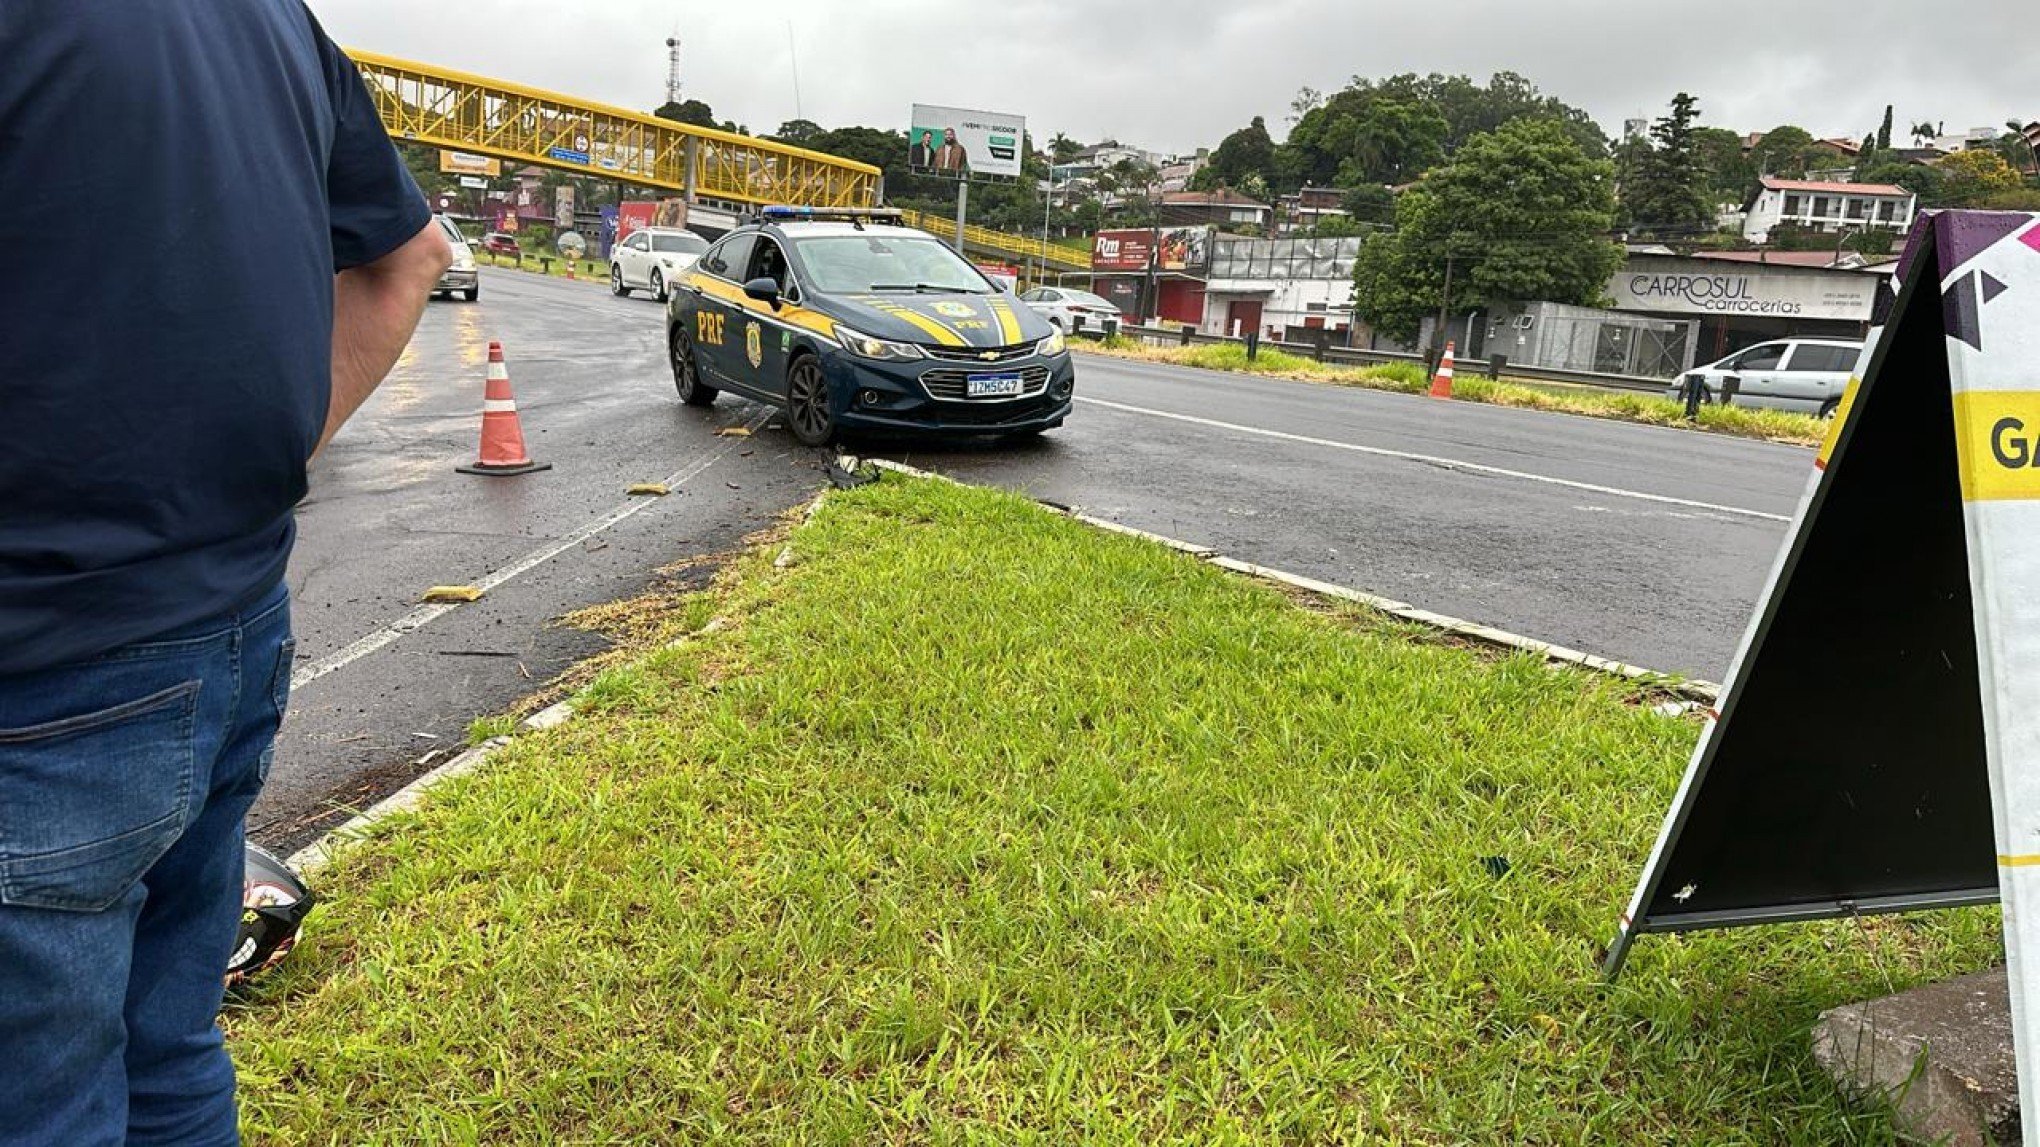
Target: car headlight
[(464, 263), (865, 346), (1053, 344)]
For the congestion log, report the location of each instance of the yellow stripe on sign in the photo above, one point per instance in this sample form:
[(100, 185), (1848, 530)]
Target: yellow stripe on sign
[(1009, 327), (1841, 419), (1997, 442), (2026, 860)]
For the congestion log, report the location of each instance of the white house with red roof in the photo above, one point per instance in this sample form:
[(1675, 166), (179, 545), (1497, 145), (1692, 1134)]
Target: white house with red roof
[(1828, 207)]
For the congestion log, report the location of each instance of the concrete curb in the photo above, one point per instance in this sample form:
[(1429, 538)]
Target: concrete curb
[(1706, 692), (316, 855), (321, 852)]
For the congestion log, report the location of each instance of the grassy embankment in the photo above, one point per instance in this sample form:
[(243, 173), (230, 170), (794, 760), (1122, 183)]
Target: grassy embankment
[(973, 823)]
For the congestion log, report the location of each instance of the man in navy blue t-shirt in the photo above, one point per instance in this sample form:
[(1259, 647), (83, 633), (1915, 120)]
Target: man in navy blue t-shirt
[(210, 254)]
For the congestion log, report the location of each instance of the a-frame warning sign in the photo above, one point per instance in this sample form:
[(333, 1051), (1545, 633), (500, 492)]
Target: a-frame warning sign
[(1877, 742)]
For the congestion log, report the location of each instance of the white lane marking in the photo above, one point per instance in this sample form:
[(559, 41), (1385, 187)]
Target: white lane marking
[(426, 614), (1448, 463)]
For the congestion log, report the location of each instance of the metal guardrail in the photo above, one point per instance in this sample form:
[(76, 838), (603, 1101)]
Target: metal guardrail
[(464, 112), (1055, 255), (1360, 356)]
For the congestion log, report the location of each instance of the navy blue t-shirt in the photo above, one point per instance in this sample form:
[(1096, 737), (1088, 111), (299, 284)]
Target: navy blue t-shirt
[(182, 179)]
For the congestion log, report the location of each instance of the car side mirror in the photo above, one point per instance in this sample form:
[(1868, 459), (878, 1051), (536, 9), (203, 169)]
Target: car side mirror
[(764, 290)]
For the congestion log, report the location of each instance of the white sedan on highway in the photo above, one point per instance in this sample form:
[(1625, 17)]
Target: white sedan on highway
[(652, 258), (1064, 306)]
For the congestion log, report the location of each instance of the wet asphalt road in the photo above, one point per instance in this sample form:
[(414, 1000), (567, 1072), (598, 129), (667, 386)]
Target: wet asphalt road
[(1566, 529), (388, 517)]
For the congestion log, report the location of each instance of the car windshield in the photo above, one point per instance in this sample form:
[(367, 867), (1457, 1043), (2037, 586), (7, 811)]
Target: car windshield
[(1088, 299), (689, 244), (848, 264)]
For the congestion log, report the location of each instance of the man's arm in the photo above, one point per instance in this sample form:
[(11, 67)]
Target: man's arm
[(375, 308)]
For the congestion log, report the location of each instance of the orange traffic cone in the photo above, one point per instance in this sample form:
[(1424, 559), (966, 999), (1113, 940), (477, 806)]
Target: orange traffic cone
[(1441, 386), (502, 435)]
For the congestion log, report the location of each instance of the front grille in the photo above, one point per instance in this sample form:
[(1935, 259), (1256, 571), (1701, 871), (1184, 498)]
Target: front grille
[(987, 414), (977, 354), (949, 385)]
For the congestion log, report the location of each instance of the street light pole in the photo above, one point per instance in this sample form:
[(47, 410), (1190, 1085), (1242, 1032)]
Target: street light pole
[(1444, 303)]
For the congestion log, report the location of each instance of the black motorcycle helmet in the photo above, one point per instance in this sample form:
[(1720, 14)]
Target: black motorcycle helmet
[(274, 903)]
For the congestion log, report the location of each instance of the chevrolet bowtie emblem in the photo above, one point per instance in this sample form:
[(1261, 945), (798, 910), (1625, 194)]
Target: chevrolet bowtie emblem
[(990, 356)]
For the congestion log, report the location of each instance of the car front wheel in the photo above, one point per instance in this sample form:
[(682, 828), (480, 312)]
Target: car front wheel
[(807, 403), (658, 286), (686, 371), (616, 286)]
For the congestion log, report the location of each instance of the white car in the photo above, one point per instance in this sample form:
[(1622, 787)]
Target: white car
[(460, 277), (652, 258), (1807, 375), (1063, 306)]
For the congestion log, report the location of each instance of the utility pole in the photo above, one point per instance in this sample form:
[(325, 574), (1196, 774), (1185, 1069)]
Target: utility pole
[(1444, 303), (962, 202)]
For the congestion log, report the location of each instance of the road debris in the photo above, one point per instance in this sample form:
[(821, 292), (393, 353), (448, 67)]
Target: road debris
[(452, 594)]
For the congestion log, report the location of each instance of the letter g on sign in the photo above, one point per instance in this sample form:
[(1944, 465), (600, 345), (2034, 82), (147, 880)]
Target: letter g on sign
[(2012, 451)]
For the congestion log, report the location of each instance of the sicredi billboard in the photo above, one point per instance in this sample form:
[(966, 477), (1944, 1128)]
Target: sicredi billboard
[(1676, 286), (960, 142)]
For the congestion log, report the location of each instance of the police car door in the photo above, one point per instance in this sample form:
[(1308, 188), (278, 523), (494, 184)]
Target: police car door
[(766, 343), (718, 316)]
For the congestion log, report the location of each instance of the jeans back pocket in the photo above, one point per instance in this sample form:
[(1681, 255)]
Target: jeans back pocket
[(88, 803)]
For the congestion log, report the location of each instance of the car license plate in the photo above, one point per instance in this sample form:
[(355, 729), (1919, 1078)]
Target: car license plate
[(992, 386)]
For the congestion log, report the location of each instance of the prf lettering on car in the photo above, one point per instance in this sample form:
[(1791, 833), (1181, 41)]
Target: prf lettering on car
[(708, 327)]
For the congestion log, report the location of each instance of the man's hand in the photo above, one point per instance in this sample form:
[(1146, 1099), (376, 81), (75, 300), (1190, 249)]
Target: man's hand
[(375, 309)]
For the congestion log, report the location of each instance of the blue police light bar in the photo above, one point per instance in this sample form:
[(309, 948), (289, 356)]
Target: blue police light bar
[(841, 214)]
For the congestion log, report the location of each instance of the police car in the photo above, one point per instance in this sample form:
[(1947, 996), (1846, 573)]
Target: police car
[(852, 322)]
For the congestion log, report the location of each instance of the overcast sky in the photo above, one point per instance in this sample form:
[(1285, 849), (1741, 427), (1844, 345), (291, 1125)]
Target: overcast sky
[(1174, 76)]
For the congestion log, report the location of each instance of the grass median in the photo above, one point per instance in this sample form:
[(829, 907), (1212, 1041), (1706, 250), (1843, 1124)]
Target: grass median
[(1409, 378), (975, 824)]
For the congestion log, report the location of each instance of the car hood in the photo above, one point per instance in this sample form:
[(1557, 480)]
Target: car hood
[(939, 320)]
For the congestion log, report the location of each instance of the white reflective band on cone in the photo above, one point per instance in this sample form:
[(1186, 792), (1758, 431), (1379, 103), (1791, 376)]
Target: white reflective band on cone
[(499, 406)]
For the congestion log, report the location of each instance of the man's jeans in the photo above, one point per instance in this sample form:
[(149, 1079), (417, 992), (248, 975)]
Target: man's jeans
[(123, 784)]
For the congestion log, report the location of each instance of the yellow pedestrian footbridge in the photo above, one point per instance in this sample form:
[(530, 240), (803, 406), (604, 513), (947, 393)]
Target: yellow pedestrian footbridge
[(428, 104)]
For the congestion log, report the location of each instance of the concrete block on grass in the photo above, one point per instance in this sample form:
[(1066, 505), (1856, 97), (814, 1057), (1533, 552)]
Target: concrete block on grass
[(1940, 1055)]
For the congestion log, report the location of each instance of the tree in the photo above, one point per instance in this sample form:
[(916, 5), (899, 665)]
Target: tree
[(798, 132), (1926, 182), (1308, 99), (1062, 148), (1786, 151), (688, 111), (1370, 203), (1667, 193), (1729, 171), (1248, 151), (1884, 131), (1392, 130), (1522, 213), (1975, 175)]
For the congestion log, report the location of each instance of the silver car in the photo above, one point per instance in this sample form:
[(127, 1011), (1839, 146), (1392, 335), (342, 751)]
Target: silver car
[(460, 277), (1803, 374)]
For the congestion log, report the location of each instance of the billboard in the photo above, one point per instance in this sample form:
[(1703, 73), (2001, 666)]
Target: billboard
[(1186, 249), (1669, 286), (461, 163), (961, 143), (633, 217)]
